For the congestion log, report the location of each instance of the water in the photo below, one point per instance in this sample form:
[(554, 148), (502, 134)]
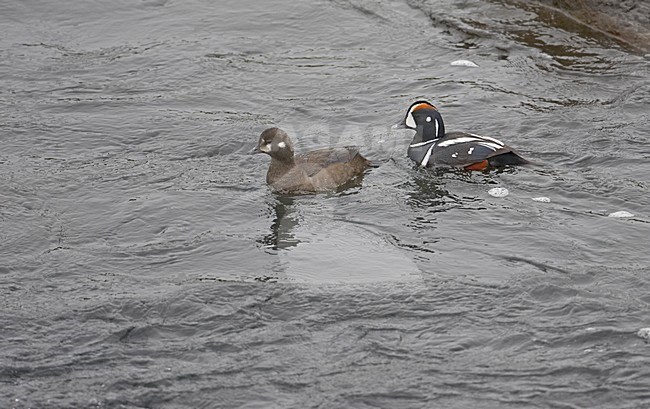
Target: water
[(145, 263)]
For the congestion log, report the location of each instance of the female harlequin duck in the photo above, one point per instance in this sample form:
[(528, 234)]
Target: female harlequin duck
[(431, 146), (315, 171)]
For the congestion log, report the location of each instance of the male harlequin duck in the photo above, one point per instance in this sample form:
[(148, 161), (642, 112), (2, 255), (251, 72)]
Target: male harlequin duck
[(316, 171), (431, 146)]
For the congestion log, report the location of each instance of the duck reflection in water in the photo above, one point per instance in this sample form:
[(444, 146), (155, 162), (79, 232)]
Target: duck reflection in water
[(430, 192), (281, 235)]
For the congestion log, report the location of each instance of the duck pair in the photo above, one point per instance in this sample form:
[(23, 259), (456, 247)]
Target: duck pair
[(328, 169)]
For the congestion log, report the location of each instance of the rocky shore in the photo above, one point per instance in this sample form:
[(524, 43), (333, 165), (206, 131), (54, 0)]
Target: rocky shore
[(626, 22)]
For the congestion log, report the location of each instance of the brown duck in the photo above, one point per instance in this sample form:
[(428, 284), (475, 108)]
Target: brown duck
[(321, 170)]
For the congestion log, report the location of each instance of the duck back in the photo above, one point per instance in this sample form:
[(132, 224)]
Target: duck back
[(320, 170)]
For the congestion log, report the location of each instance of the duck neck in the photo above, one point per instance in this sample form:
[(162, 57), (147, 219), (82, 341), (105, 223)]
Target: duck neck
[(279, 167), (423, 138)]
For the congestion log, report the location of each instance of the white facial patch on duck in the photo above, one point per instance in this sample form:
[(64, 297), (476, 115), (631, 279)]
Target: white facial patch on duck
[(282, 145), (266, 147), (410, 121), (428, 119)]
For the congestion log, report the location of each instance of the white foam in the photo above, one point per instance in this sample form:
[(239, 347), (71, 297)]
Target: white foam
[(464, 63), (644, 333), (498, 192), (620, 214), (541, 199)]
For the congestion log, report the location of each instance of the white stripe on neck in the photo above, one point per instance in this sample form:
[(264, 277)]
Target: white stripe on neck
[(417, 145), (427, 156)]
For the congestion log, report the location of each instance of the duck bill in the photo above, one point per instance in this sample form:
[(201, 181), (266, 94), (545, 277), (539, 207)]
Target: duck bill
[(259, 149)]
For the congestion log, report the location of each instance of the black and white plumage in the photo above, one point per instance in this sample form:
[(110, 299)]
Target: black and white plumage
[(432, 146)]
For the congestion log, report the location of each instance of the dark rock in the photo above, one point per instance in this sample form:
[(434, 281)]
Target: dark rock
[(626, 22)]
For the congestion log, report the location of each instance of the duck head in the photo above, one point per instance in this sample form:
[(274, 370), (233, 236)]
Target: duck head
[(425, 119), (275, 143)]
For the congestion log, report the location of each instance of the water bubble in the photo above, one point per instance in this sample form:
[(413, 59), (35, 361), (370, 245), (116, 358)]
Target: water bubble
[(644, 333), (621, 213), (498, 192), (464, 63)]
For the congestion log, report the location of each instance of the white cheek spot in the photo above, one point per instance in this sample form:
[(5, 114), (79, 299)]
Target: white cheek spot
[(469, 152), (265, 148), (454, 155), (428, 119), (282, 145)]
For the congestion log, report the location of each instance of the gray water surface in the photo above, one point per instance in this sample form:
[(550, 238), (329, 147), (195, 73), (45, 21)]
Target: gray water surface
[(145, 264)]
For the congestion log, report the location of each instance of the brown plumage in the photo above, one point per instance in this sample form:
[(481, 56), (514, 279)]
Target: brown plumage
[(315, 171)]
